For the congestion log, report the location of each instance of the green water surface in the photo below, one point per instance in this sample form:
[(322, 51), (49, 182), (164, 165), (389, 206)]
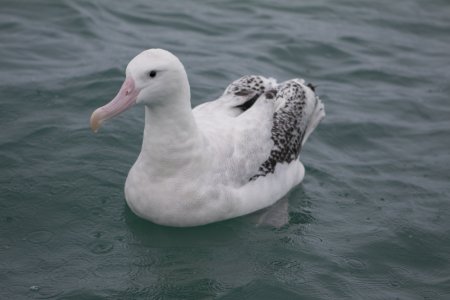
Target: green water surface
[(371, 220)]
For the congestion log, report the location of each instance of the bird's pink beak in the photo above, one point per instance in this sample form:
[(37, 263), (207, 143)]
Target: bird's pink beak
[(125, 98)]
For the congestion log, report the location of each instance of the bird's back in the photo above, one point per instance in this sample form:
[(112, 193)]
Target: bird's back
[(258, 124)]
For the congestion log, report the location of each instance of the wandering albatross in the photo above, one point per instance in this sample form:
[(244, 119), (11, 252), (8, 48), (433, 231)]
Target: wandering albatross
[(222, 159)]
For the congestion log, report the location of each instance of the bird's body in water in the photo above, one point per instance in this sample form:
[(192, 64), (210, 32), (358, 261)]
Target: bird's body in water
[(224, 158)]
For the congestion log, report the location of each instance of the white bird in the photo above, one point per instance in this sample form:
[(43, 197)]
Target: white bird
[(224, 158)]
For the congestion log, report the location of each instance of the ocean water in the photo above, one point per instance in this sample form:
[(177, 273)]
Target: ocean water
[(371, 219)]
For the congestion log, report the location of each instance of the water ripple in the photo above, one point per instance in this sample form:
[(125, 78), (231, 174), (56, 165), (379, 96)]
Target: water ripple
[(370, 219)]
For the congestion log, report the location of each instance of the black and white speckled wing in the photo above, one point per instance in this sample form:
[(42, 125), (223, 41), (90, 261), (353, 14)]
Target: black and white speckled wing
[(262, 124), (249, 83), (238, 97), (297, 112), (247, 89)]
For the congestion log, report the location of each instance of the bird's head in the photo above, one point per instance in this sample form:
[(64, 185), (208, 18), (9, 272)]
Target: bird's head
[(152, 77)]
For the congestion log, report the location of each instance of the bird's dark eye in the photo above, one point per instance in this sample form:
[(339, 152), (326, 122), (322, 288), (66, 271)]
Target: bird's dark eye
[(152, 74)]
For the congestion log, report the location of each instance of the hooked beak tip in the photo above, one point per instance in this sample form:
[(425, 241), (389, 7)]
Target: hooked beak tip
[(95, 122)]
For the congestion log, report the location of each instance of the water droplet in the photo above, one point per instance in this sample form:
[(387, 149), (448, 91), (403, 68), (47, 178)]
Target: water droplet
[(394, 283), (356, 264), (39, 237), (101, 247), (35, 288)]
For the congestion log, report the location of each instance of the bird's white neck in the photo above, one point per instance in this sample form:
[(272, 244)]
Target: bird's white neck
[(170, 137)]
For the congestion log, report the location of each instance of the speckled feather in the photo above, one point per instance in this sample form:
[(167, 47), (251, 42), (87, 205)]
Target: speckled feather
[(288, 128)]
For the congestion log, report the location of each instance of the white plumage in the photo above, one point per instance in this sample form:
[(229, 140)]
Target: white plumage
[(220, 160)]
